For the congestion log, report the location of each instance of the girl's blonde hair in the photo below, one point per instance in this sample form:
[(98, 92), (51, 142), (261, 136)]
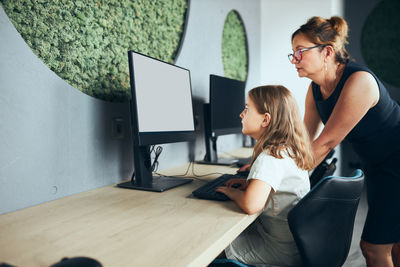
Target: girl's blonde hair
[(286, 131)]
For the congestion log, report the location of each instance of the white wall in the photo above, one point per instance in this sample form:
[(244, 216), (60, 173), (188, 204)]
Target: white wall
[(279, 20)]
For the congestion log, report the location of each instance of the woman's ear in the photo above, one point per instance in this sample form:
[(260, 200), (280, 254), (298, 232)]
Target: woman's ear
[(329, 51), (267, 120)]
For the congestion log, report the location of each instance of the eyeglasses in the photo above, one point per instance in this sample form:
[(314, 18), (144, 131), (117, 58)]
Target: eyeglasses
[(298, 54)]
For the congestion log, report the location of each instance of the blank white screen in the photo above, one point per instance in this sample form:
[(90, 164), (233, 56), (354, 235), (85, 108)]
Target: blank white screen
[(163, 96)]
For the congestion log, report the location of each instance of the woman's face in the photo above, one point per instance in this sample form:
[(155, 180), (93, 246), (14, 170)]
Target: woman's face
[(312, 60), (253, 122)]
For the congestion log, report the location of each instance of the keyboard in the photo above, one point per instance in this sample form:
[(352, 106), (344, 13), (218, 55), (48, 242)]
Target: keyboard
[(207, 191)]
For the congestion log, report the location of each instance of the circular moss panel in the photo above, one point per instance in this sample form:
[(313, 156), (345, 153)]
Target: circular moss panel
[(86, 42), (380, 41), (234, 47)]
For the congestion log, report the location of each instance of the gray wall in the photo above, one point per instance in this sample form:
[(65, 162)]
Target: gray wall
[(56, 141)]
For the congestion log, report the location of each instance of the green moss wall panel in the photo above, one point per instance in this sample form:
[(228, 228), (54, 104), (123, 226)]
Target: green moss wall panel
[(234, 47), (85, 42)]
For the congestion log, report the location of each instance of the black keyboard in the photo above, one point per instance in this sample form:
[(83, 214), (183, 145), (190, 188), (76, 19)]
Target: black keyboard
[(207, 191)]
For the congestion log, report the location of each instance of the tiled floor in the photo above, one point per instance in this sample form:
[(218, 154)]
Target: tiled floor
[(355, 258)]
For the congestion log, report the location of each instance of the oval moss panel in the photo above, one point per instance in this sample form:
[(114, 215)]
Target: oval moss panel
[(380, 41), (86, 42), (234, 47)]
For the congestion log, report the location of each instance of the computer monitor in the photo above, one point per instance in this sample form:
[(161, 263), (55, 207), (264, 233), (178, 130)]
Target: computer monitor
[(161, 112), (221, 115)]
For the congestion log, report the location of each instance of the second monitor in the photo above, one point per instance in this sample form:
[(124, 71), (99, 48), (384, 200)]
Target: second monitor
[(221, 115)]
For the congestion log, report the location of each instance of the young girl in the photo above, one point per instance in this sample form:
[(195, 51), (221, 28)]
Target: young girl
[(278, 177)]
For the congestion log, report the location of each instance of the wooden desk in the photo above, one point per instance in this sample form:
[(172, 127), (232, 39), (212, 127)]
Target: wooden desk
[(123, 227)]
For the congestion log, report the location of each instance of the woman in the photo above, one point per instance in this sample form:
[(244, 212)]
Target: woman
[(354, 105)]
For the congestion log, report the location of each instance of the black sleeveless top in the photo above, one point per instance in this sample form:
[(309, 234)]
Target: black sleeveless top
[(377, 136)]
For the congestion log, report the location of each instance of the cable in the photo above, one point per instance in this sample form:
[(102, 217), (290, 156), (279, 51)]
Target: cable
[(196, 176), (231, 155), (157, 151), (154, 166), (202, 175)]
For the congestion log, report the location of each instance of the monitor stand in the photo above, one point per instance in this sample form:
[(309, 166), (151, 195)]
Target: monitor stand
[(211, 156), (159, 184), (143, 177)]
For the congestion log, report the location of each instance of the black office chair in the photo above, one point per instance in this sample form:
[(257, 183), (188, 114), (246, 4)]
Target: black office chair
[(322, 222)]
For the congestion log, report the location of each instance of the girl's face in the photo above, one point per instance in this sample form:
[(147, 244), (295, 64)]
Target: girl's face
[(253, 122), (312, 60)]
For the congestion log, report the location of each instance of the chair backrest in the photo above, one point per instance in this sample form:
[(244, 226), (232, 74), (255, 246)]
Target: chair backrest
[(322, 222)]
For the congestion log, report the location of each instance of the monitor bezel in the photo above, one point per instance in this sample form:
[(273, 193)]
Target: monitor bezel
[(161, 137), (223, 131)]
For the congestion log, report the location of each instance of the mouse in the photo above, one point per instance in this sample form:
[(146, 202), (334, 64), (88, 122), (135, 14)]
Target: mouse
[(77, 262)]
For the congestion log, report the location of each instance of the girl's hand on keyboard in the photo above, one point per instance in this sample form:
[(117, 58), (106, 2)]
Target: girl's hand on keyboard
[(238, 183), (244, 168), (230, 192)]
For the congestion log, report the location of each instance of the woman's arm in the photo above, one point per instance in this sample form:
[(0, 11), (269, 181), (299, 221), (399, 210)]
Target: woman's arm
[(359, 94), (253, 199), (312, 119)]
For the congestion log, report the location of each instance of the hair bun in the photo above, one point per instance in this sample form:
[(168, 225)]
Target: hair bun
[(340, 26)]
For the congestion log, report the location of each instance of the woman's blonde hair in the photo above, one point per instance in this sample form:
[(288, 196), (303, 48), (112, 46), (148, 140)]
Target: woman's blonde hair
[(332, 31), (286, 131)]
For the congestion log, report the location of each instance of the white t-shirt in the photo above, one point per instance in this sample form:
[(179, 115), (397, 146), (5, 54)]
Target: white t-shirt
[(268, 241), (289, 182)]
